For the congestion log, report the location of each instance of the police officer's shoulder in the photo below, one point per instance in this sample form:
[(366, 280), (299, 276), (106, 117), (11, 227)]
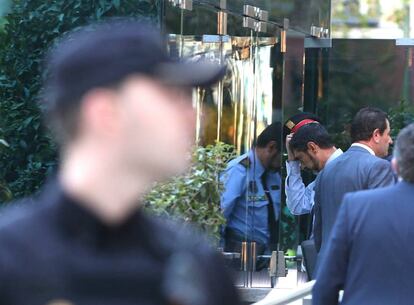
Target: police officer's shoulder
[(245, 162), (234, 172), (22, 225), (242, 161), (21, 221), (13, 213)]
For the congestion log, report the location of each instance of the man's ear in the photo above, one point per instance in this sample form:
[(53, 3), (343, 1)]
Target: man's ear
[(376, 134), (312, 147), (98, 111)]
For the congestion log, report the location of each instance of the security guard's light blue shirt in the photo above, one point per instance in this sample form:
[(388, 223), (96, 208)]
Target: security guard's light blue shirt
[(244, 202)]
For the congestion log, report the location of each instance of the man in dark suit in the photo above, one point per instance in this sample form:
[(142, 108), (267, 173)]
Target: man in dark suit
[(359, 168), (370, 252)]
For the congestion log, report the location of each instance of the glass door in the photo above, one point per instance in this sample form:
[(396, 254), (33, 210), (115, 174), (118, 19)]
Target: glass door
[(263, 85)]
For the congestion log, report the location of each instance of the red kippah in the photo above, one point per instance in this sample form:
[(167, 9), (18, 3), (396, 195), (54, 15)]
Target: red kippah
[(303, 123)]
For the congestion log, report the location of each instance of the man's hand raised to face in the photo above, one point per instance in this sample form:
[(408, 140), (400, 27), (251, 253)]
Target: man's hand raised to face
[(291, 157)]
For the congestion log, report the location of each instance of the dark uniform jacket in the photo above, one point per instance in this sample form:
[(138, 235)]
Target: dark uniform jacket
[(53, 251)]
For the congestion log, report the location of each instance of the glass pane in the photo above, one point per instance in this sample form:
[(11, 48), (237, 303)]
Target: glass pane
[(236, 111), (379, 19), (295, 228), (302, 14), (364, 73), (201, 20), (294, 69)]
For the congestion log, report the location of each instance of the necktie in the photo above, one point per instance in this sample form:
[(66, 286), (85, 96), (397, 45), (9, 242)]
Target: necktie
[(273, 227)]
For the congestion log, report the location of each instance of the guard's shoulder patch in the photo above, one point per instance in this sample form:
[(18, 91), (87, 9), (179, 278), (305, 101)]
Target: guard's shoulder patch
[(245, 162)]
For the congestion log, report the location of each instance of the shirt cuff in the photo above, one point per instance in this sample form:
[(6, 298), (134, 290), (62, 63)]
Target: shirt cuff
[(293, 167)]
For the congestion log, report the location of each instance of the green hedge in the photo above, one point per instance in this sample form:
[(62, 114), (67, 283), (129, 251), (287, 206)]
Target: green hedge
[(30, 29)]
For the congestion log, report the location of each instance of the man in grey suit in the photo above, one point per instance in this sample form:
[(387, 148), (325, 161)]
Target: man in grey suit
[(359, 168), (369, 254)]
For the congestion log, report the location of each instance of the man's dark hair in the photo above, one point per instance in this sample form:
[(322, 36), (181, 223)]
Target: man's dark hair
[(273, 132), (366, 121), (313, 132), (404, 153)]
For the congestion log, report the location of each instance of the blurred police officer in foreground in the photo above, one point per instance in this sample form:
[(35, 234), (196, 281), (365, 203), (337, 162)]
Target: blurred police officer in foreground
[(251, 199), (121, 110)]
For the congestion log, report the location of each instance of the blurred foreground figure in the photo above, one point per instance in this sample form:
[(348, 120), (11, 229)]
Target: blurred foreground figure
[(370, 252), (121, 110)]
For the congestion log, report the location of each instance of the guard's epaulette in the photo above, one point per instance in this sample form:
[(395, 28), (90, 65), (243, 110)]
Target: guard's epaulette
[(245, 162)]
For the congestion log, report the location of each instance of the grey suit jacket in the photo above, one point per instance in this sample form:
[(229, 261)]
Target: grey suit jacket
[(354, 170), (370, 252)]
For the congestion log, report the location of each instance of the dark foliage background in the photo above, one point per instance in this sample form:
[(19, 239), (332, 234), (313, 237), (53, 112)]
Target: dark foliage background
[(29, 30)]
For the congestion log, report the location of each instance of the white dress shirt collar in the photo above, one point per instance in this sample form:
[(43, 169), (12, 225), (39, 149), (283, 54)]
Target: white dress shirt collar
[(335, 155), (365, 147)]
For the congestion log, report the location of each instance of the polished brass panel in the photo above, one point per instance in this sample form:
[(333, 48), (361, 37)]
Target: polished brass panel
[(283, 41), (221, 23)]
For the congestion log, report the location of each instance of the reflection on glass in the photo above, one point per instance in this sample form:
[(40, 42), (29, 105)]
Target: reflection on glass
[(229, 111), (294, 70), (296, 228)]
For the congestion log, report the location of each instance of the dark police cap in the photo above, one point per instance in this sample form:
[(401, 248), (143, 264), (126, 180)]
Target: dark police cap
[(105, 54), (298, 120)]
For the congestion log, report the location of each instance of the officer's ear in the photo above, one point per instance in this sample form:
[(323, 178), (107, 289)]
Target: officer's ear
[(376, 135), (312, 147)]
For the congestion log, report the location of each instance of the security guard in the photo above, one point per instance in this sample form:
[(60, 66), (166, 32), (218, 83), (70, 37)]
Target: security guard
[(121, 111), (251, 198)]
